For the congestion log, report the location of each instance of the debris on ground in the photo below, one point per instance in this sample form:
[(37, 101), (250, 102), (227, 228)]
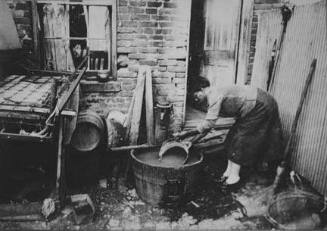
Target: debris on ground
[(118, 207), (48, 207), (83, 208)]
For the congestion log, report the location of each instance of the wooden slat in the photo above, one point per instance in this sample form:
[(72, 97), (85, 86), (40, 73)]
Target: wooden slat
[(95, 86), (60, 190), (133, 147), (24, 109), (84, 2), (73, 85), (137, 109), (127, 122), (18, 137), (244, 45), (114, 38), (149, 107), (35, 19)]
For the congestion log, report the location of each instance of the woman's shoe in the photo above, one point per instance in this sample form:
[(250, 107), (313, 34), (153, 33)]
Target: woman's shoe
[(222, 179), (232, 187)]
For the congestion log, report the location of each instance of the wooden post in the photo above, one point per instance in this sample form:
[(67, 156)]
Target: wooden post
[(149, 107), (127, 122), (35, 20), (244, 44), (137, 109), (60, 182), (136, 112)]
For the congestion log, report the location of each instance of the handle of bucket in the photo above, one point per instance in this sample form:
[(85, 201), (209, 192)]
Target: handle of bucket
[(189, 144)]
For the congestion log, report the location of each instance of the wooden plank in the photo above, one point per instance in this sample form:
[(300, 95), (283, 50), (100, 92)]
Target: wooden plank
[(114, 38), (60, 184), (95, 86), (47, 72), (267, 6), (189, 10), (21, 218), (73, 85), (84, 2), (35, 20), (149, 107), (31, 113), (127, 122), (29, 138), (137, 109), (133, 147), (244, 45), (238, 39), (24, 109), (12, 209)]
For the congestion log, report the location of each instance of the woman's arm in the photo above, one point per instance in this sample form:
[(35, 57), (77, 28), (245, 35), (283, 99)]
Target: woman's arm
[(212, 115)]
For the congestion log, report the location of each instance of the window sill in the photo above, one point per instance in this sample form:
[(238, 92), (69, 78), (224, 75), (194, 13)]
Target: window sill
[(95, 86)]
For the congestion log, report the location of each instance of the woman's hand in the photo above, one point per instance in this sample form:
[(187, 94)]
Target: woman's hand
[(179, 135)]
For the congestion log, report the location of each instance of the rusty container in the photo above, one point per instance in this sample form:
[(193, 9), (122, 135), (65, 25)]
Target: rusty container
[(89, 131), (165, 186), (115, 132), (162, 113)]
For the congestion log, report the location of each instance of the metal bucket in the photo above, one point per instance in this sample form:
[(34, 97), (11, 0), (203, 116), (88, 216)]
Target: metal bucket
[(89, 131), (164, 185)]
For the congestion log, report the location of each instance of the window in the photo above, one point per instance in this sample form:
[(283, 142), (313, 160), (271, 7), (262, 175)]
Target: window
[(70, 29)]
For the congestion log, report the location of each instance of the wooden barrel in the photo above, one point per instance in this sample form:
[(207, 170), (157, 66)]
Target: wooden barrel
[(165, 186), (89, 131)]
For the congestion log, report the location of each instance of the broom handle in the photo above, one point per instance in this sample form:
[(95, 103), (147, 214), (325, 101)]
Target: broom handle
[(298, 111), (287, 151)]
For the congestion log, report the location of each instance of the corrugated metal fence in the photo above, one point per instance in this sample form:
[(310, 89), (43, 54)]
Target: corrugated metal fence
[(305, 40)]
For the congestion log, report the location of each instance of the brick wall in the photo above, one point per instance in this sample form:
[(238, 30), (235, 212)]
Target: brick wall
[(149, 32), (155, 33)]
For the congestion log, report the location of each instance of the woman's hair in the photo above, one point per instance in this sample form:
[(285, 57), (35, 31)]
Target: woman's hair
[(200, 104), (198, 84), (202, 83)]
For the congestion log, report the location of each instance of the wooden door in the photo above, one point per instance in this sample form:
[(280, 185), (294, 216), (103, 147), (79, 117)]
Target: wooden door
[(220, 41)]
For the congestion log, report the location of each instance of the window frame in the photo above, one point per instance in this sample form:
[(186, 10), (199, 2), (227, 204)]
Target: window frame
[(113, 31)]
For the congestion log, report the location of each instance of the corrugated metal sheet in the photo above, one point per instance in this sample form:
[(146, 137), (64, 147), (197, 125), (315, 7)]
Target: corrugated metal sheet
[(305, 40), (269, 30)]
